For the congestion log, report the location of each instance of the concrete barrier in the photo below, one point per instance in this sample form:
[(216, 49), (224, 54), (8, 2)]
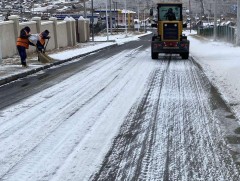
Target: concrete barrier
[(8, 38), (54, 33), (82, 30), (62, 30)]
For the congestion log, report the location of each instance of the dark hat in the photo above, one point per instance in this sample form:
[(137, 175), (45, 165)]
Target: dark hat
[(27, 29), (46, 31)]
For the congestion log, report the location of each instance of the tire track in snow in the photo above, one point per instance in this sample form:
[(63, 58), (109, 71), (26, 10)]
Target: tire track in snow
[(124, 157), (184, 141), (60, 118), (41, 137)]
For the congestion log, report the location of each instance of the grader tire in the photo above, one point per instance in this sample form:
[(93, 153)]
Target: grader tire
[(154, 55), (185, 55)]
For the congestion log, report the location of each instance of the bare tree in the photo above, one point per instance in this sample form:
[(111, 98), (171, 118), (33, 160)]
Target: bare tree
[(202, 6)]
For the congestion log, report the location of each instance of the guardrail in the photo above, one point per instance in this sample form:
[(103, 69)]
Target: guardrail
[(225, 33)]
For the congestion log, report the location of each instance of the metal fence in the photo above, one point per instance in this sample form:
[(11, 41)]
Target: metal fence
[(225, 33)]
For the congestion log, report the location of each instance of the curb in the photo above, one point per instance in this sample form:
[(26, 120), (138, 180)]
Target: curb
[(32, 71)]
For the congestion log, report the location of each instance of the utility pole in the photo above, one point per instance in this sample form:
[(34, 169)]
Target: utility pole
[(138, 17), (190, 12), (238, 23), (144, 19), (0, 52), (107, 19), (92, 20), (110, 15), (126, 17), (115, 15), (20, 5), (215, 21), (84, 6)]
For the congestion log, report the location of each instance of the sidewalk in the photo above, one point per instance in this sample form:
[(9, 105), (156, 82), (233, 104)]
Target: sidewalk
[(220, 62), (11, 68)]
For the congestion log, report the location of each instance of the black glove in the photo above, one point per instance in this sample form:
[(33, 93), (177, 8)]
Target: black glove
[(30, 43)]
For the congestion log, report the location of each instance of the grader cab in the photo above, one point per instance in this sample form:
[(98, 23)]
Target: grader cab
[(169, 37)]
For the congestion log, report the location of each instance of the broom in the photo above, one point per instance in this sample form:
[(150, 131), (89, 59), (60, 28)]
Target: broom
[(44, 58)]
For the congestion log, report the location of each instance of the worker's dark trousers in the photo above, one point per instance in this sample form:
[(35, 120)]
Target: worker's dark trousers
[(23, 54)]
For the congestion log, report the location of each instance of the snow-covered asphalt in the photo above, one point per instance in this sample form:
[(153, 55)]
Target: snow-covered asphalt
[(176, 131), (64, 132), (125, 117)]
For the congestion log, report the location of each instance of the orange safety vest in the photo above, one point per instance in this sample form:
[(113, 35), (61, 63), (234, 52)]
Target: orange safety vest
[(24, 42), (41, 40)]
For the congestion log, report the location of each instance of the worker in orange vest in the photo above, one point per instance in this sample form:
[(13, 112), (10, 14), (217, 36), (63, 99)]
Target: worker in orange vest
[(23, 44), (41, 40)]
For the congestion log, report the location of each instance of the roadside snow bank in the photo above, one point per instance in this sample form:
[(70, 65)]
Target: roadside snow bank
[(221, 64)]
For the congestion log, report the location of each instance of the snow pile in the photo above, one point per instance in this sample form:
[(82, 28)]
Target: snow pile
[(221, 64)]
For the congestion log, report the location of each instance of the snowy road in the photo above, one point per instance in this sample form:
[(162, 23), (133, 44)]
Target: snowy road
[(175, 132), (170, 126)]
